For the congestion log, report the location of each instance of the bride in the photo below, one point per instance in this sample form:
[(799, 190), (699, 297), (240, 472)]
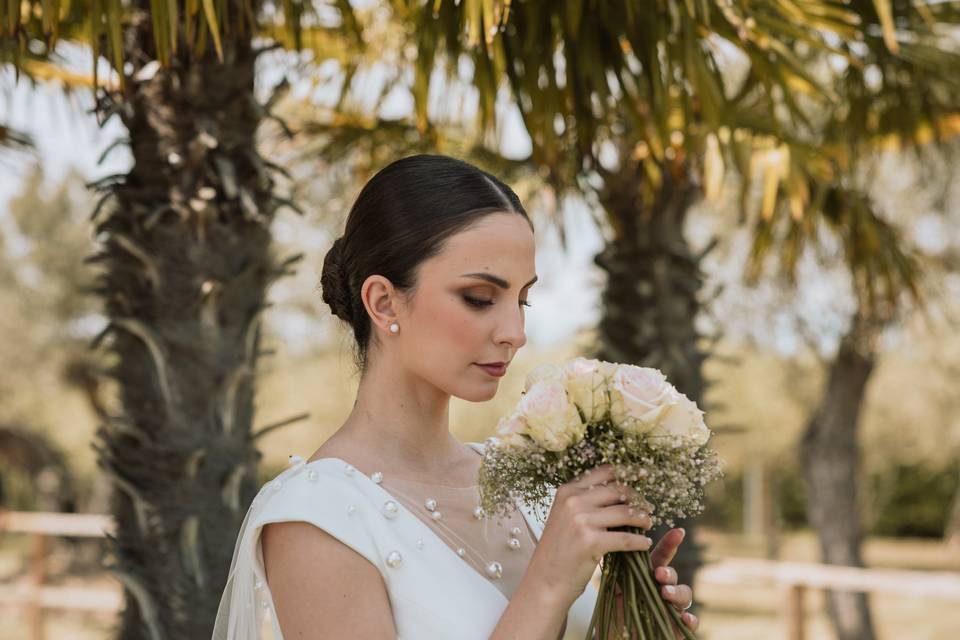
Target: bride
[(379, 533)]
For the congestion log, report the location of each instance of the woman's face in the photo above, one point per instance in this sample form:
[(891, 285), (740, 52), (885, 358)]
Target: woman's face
[(468, 307)]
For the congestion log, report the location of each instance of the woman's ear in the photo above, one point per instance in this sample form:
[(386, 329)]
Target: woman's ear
[(380, 298)]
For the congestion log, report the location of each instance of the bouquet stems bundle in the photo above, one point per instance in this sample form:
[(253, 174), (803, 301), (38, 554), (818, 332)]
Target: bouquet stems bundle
[(631, 573), (584, 413)]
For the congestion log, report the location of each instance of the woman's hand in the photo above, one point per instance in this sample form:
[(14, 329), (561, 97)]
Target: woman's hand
[(678, 595), (576, 536)]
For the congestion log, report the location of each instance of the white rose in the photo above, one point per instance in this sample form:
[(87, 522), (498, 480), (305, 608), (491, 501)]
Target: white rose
[(552, 419), (683, 418), (546, 371), (587, 384), (512, 429), (608, 369), (639, 396)]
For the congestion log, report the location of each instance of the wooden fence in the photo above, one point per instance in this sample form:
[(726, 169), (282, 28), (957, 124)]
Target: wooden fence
[(793, 578), (33, 594)]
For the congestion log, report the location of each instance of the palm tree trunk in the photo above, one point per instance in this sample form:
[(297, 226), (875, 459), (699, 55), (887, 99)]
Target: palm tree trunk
[(651, 296), (185, 251), (830, 461)]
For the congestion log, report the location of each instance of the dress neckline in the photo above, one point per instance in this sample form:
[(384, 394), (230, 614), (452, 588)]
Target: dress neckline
[(430, 532), (472, 487)]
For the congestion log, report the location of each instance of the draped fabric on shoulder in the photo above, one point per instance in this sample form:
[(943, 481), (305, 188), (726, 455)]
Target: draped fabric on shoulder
[(304, 492), (434, 593)]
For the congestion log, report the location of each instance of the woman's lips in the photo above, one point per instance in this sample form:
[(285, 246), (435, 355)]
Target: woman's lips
[(497, 371)]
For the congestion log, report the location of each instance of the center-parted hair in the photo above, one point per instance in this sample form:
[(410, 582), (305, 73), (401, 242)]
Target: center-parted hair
[(403, 216)]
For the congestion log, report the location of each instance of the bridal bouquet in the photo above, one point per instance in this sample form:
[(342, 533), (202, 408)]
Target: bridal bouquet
[(584, 413)]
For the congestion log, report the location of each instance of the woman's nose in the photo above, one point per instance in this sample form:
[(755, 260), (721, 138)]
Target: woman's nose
[(511, 329)]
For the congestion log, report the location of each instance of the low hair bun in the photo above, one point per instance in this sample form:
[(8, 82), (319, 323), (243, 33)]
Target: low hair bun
[(334, 283)]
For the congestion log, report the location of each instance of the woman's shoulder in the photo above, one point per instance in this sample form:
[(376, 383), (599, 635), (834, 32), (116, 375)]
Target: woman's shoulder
[(305, 486), (324, 494), (327, 488)]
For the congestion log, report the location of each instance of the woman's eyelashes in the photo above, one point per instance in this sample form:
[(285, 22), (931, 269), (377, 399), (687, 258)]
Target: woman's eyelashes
[(477, 302)]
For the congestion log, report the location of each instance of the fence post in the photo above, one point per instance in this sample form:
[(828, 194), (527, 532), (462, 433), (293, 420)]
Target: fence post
[(38, 574), (793, 612)]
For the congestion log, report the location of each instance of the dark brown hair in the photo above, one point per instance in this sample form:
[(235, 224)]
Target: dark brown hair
[(403, 216)]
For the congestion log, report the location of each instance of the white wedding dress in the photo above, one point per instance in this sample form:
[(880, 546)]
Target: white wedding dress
[(435, 594)]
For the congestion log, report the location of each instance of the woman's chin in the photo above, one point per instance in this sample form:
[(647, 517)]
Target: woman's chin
[(479, 393)]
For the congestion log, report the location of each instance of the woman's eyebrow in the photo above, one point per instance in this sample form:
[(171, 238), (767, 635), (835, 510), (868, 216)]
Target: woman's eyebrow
[(500, 282)]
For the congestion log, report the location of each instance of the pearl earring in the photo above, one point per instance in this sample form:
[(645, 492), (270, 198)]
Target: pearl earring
[(394, 327)]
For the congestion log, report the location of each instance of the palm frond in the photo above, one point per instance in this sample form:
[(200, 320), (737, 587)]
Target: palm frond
[(32, 28), (14, 139)]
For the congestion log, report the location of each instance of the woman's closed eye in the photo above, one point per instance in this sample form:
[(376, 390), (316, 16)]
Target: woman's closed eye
[(477, 302)]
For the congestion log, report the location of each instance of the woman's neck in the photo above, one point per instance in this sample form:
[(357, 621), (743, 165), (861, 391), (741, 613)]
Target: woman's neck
[(400, 424)]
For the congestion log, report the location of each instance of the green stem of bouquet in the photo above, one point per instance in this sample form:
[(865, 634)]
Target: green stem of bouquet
[(639, 563), (600, 619), (645, 614), (669, 610), (630, 607), (610, 607), (599, 627)]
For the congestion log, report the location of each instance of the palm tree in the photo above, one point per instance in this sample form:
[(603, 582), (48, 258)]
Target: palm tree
[(185, 250)]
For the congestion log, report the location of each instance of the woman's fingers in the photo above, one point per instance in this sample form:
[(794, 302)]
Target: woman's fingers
[(679, 595), (667, 547), (597, 475), (606, 495), (620, 515), (665, 575), (603, 486), (690, 621)]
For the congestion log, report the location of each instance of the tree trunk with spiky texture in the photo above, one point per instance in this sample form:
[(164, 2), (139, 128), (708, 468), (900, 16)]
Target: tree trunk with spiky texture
[(186, 257), (831, 466), (651, 296)]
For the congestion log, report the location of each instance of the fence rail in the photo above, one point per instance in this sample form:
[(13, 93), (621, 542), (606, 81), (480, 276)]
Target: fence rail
[(794, 578)]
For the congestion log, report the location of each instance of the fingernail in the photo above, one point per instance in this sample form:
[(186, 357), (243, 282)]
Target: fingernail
[(683, 532), (670, 589)]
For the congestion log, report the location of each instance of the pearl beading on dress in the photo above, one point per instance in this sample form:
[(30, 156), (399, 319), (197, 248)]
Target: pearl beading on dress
[(390, 510), (394, 558)]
